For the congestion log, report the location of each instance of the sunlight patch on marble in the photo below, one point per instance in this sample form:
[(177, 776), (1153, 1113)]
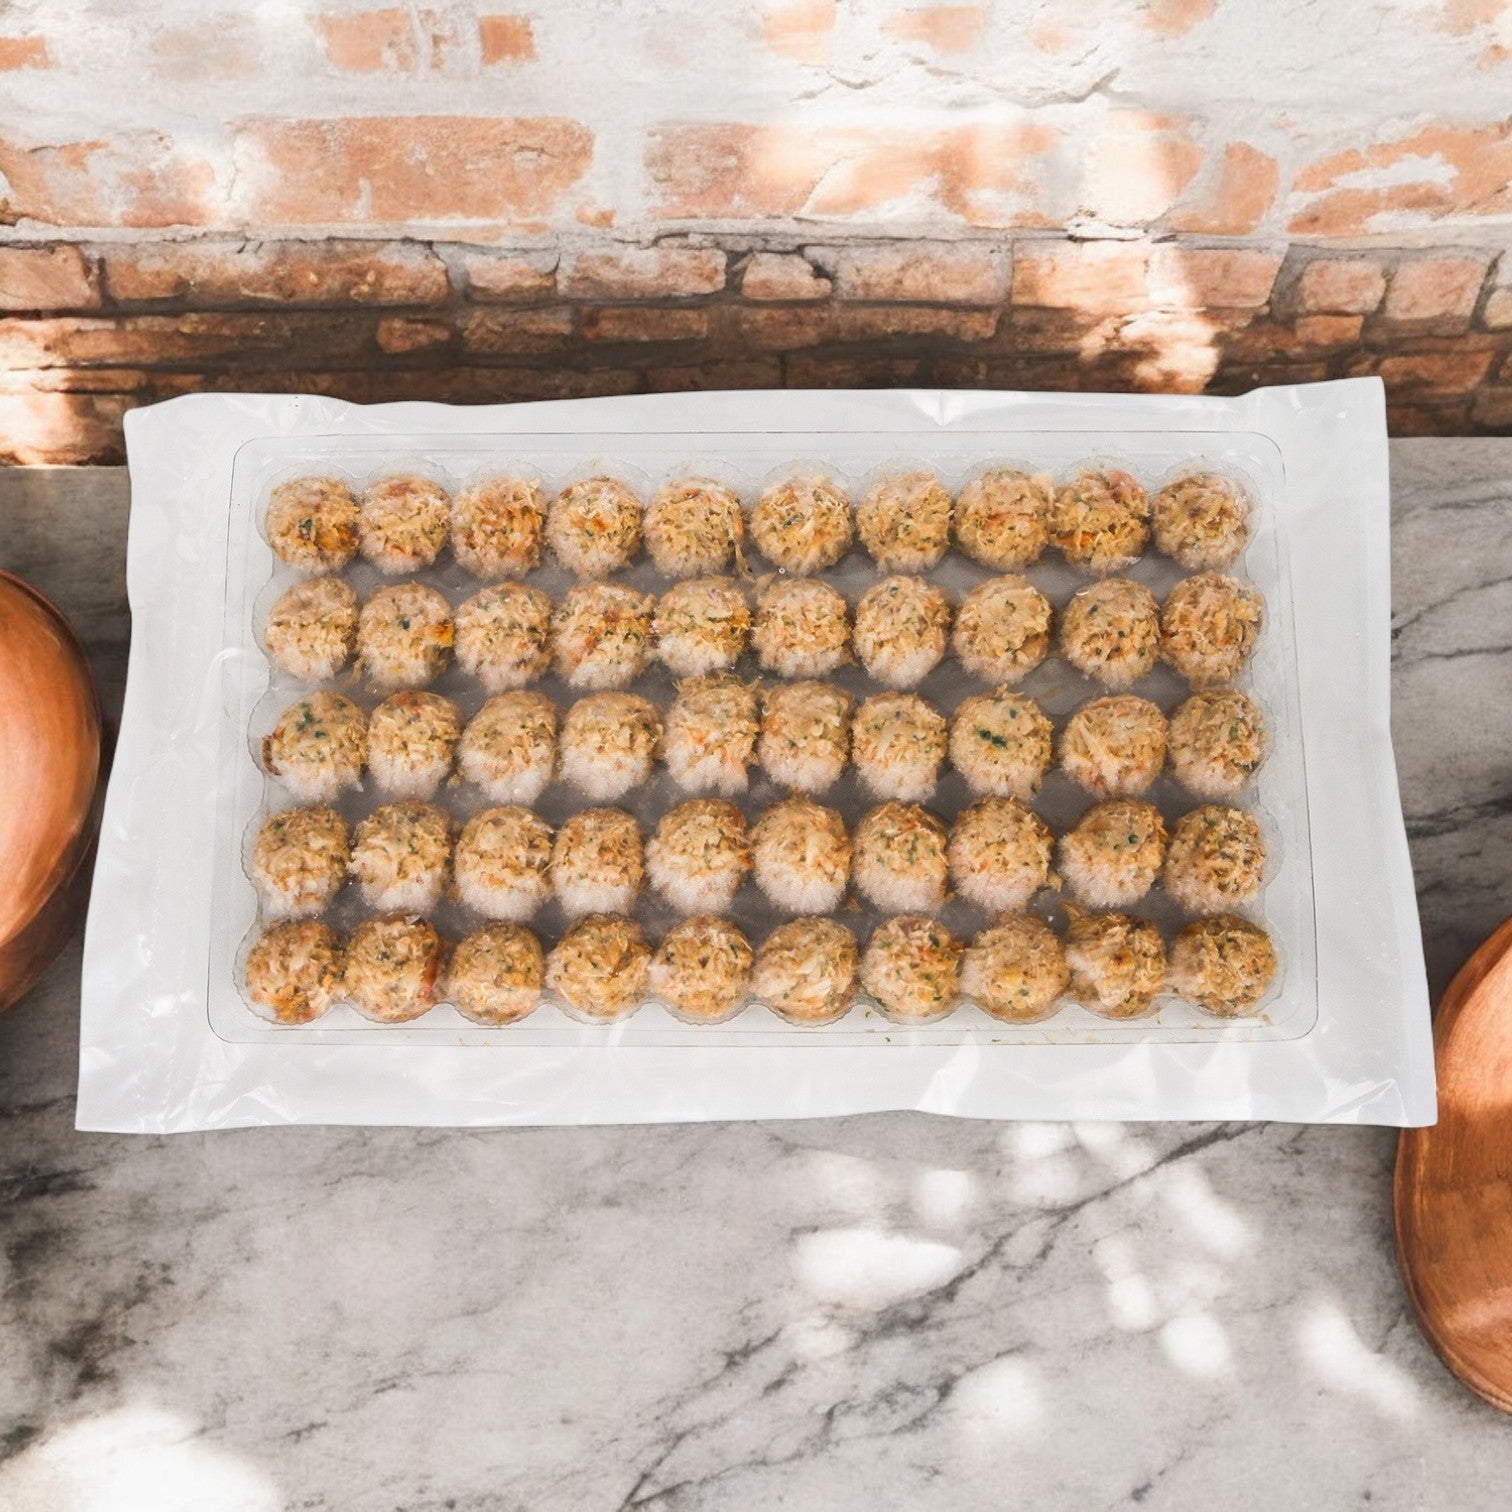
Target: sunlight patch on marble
[(1029, 1141), (1124, 1154), (1343, 1361), (944, 1198), (1130, 1297), (1211, 1221), (1196, 1345), (135, 1458), (846, 1185), (1003, 1396), (871, 1269)]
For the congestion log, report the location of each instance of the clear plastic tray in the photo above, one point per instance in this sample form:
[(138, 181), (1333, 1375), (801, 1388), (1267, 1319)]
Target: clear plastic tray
[(255, 693)]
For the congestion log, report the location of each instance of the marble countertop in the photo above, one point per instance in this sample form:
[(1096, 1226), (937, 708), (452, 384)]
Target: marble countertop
[(888, 1311)]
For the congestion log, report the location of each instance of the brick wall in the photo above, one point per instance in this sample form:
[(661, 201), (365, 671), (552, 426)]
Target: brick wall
[(521, 200)]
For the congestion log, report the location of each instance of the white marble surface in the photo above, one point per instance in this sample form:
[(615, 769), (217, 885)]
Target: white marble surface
[(890, 1311)]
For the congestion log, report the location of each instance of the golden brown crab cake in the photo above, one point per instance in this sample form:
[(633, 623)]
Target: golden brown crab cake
[(1223, 965), (1002, 630), (311, 632), (801, 856), (1201, 521), (899, 859), (393, 968), (701, 626), (1016, 970), (1100, 521), (318, 747), (702, 969), (1208, 628), (805, 735), (898, 745), (1215, 862), (593, 526), (1000, 518), (901, 630), (904, 521), (1114, 747), (497, 527), (912, 967), (299, 861), (404, 523), (598, 863), (401, 854), (412, 740), (404, 636), (601, 636), (295, 970), (509, 747), (1001, 743), (693, 528), (1118, 963), (501, 862), (600, 968), (496, 974), (1114, 854), (1000, 854), (806, 971), (1217, 743), (503, 636), (312, 524), (802, 627), (711, 731), (803, 524), (1110, 631), (699, 855)]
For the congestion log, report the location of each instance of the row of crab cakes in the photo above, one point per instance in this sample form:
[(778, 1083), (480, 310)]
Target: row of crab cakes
[(396, 967), (605, 635), (506, 862), (1101, 521), (802, 734)]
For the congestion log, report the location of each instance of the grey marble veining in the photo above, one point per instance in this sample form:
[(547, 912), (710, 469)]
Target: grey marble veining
[(890, 1311)]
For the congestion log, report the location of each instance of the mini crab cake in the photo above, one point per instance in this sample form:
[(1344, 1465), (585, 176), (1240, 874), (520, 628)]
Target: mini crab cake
[(496, 973), (802, 856), (404, 636), (312, 630), (1216, 860), (898, 744), (904, 521), (609, 743), (699, 855), (601, 635), (294, 970), (702, 969), (1114, 747), (500, 863), (1118, 963), (1201, 521), (1217, 743), (803, 524), (1110, 631), (404, 523), (1000, 518), (1208, 628), (912, 968), (509, 747), (1100, 521), (299, 861), (1000, 854), (496, 527), (312, 524), (1114, 854), (805, 735), (701, 626), (1000, 742), (393, 967), (711, 734), (600, 968), (597, 862), (400, 854), (806, 971), (693, 527), (901, 629), (504, 636), (1002, 629), (802, 627), (594, 527), (412, 738), (899, 858), (1223, 965), (1016, 970), (318, 747)]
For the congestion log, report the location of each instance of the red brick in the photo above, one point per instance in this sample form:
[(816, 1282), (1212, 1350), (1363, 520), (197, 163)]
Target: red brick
[(846, 370), (1329, 330), (880, 322), (394, 169), (1239, 199), (1492, 408), (1199, 278), (644, 323), (505, 39), (1175, 18), (800, 30), (326, 338), (783, 275), (1450, 372), (1081, 275), (985, 175), (753, 373), (510, 277), (1235, 378), (646, 272), (375, 41), (215, 273), (507, 332), (24, 52), (1136, 167), (1478, 183), (139, 179), (58, 277), (1497, 316), (398, 335), (1426, 419), (1435, 288), (62, 429), (781, 328), (1052, 332), (922, 272), (1341, 285), (211, 50), (944, 28)]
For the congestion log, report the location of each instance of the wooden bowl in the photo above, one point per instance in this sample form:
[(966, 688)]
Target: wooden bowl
[(50, 783)]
